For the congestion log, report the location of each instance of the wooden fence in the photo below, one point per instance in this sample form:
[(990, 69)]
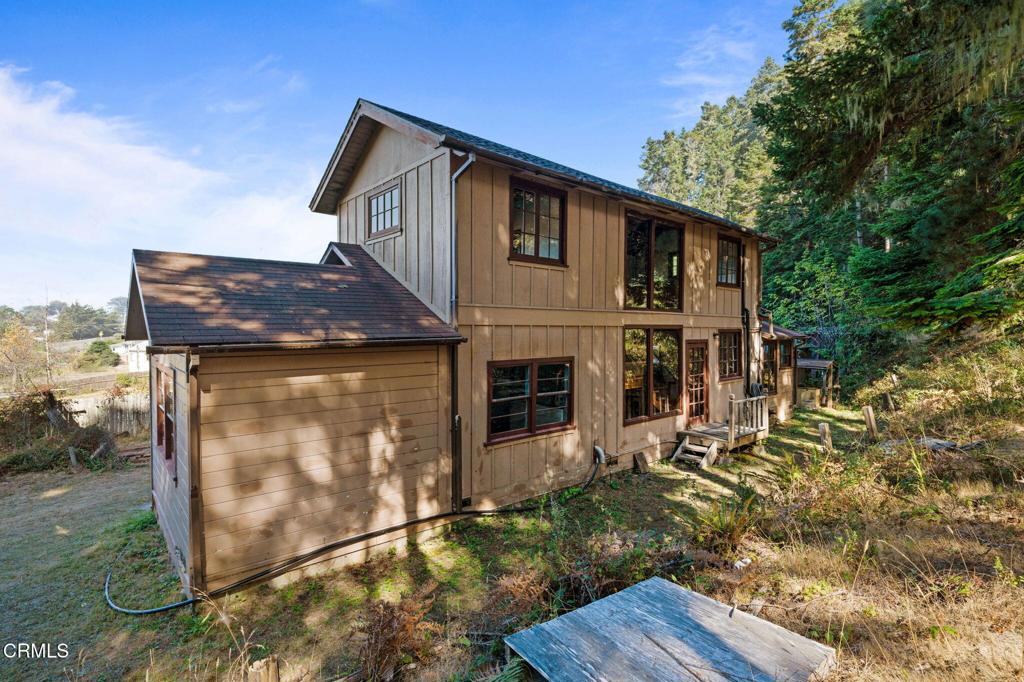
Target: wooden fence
[(128, 413)]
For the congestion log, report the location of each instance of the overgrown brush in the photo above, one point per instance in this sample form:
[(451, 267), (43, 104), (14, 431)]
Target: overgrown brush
[(395, 634), (53, 452), (958, 394)]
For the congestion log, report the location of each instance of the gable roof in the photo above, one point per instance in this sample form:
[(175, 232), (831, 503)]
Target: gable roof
[(366, 116), (183, 299)]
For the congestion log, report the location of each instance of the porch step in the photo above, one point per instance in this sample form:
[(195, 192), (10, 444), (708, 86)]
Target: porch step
[(701, 455)]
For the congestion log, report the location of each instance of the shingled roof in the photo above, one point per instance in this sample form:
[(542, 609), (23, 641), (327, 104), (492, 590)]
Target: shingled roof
[(780, 331), (359, 131), (182, 299)]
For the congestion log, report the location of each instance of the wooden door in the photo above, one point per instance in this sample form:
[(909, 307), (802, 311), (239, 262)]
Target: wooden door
[(696, 382)]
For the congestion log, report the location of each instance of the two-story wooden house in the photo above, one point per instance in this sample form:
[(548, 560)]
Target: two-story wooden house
[(484, 319)]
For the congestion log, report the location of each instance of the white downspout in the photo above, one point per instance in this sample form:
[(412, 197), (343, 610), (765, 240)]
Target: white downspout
[(453, 225)]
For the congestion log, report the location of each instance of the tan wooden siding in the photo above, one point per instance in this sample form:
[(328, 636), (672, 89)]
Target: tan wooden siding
[(172, 499), (515, 310), (418, 253), (302, 449)]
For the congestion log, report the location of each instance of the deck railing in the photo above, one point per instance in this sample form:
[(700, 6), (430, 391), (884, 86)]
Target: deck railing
[(747, 415)]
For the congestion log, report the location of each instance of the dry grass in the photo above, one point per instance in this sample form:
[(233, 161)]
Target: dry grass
[(909, 562)]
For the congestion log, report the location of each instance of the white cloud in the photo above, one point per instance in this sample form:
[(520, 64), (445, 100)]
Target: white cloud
[(715, 64), (78, 190)]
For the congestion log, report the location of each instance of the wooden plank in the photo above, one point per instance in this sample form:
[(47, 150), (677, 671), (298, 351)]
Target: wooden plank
[(659, 631)]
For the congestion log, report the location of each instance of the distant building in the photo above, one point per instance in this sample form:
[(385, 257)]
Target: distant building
[(134, 353)]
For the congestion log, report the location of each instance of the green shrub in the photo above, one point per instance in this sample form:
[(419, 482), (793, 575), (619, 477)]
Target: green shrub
[(97, 355), (722, 527)]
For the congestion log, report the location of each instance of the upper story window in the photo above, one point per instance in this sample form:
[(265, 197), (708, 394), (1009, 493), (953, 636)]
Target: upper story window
[(728, 262), (654, 253), (528, 397), (729, 355), (538, 223), (385, 210)]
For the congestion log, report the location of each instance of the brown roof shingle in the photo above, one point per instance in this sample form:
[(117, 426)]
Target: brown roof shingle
[(195, 300)]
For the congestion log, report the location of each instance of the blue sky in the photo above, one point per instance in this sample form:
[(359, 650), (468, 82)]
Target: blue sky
[(204, 126)]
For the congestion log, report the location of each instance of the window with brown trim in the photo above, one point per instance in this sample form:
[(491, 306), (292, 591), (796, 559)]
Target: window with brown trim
[(770, 368), (384, 210), (528, 397), (728, 262), (653, 265), (652, 384), (785, 354), (165, 418), (730, 355), (538, 223)]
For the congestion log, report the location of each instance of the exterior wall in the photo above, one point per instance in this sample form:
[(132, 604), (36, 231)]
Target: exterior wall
[(418, 253), (299, 449), (515, 310), (170, 497)]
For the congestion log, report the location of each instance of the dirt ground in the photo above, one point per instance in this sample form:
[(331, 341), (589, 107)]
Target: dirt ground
[(53, 532)]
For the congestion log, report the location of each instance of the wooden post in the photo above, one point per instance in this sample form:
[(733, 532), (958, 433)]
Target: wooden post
[(732, 423), (265, 670), (825, 433), (888, 404), (869, 421)]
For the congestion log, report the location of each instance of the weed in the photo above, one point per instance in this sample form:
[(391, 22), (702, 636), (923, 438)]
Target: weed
[(395, 634), (725, 525)]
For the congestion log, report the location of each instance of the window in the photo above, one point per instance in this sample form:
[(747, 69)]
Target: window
[(653, 262), (165, 418), (528, 397), (385, 210), (730, 353), (728, 262), (770, 370), (538, 223), (786, 354), (651, 373)]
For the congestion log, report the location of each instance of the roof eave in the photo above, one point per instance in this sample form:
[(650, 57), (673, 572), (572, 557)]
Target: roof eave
[(321, 201), (157, 348), (455, 143)]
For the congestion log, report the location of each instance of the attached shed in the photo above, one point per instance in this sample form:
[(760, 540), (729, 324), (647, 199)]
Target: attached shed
[(778, 367), (295, 405)]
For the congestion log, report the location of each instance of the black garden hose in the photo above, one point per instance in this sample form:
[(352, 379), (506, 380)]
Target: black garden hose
[(303, 558)]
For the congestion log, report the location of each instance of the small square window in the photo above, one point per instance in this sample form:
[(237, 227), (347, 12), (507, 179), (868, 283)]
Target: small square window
[(384, 210), (537, 224), (528, 397)]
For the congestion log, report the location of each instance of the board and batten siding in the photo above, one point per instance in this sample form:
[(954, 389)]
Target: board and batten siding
[(301, 449), (511, 310), (418, 253), (170, 497)]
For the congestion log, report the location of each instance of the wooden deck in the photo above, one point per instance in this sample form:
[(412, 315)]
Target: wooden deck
[(659, 631), (720, 431)]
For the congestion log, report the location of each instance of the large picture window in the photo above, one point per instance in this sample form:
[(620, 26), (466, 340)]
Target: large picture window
[(538, 223), (651, 373), (385, 210), (653, 263), (730, 355), (728, 262), (528, 397), (770, 368)]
